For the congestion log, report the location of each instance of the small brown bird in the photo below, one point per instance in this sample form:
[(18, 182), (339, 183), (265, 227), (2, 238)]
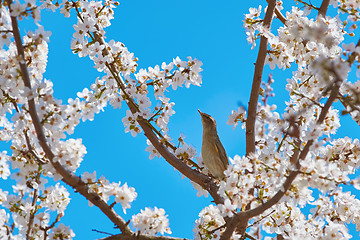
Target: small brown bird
[(212, 151)]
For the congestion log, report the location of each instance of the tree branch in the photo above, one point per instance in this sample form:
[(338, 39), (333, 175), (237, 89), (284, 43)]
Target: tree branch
[(32, 213), (68, 177), (140, 237), (323, 8), (255, 90), (279, 15)]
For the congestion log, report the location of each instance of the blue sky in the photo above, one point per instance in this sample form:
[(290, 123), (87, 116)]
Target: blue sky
[(158, 31)]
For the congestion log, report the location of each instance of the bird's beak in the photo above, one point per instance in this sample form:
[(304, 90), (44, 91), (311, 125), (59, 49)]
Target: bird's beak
[(200, 112)]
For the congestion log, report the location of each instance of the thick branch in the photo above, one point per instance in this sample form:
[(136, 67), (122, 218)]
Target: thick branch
[(323, 8), (68, 177), (255, 90)]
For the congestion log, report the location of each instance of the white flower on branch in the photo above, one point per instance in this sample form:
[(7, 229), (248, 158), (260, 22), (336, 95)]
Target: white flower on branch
[(151, 221)]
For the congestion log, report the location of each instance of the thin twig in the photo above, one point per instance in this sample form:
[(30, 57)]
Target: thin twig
[(352, 57), (33, 211), (279, 15), (308, 4), (30, 149)]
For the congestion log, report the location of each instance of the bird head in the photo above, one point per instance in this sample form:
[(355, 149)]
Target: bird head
[(208, 121)]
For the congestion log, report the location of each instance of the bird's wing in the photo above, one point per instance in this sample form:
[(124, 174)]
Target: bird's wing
[(220, 149)]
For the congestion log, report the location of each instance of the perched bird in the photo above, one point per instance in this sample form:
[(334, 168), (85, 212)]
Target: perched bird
[(212, 151)]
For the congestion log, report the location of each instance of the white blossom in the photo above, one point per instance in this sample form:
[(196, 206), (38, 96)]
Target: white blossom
[(151, 221)]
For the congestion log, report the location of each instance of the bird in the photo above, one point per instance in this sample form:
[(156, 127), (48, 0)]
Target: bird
[(212, 151)]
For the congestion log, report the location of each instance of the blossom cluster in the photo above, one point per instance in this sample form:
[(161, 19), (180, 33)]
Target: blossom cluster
[(237, 116), (151, 221), (208, 224), (314, 47), (253, 180), (123, 194), (32, 166)]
